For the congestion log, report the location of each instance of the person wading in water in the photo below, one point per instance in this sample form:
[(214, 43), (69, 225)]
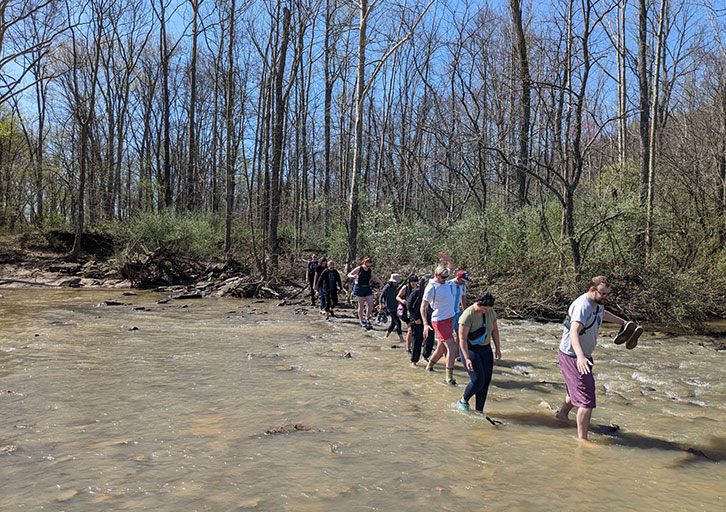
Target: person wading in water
[(579, 338), (477, 328), (441, 296), (363, 274)]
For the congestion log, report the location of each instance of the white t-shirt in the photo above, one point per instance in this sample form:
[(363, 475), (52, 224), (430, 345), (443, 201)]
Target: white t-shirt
[(589, 314), (442, 298)]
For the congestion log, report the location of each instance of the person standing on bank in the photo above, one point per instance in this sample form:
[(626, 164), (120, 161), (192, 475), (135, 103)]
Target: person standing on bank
[(579, 338), (477, 328), (363, 274), (441, 296), (328, 285), (310, 276)]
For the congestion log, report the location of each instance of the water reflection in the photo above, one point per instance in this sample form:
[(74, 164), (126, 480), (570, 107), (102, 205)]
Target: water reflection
[(230, 405)]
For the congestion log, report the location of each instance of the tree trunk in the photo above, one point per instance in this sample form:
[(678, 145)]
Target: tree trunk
[(327, 114), (622, 86), (277, 142), (652, 137), (166, 107), (229, 162), (194, 187), (644, 99), (524, 100), (353, 199)]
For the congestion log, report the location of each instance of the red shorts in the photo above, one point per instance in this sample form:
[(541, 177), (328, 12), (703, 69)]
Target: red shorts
[(444, 329)]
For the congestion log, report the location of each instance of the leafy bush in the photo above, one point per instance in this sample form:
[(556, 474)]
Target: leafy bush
[(193, 235)]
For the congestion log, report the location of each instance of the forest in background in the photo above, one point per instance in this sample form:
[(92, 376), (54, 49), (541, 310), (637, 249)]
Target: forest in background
[(537, 143)]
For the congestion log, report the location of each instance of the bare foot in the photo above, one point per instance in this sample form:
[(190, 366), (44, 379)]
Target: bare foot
[(586, 443)]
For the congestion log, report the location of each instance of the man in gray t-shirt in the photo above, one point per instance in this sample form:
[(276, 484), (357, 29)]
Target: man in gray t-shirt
[(579, 338), (589, 313)]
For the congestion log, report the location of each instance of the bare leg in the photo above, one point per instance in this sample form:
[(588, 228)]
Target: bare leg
[(369, 301), (565, 409), (438, 353), (583, 421), (409, 338), (361, 302), (451, 352)]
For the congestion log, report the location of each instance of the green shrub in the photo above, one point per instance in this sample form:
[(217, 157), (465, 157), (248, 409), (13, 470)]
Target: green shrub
[(193, 235)]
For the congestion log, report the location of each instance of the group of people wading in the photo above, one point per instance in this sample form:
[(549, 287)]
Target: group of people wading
[(436, 307)]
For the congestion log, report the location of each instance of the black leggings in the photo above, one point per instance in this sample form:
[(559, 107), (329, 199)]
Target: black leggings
[(482, 361), (417, 336), (395, 323), (312, 293), (330, 300), (418, 341)]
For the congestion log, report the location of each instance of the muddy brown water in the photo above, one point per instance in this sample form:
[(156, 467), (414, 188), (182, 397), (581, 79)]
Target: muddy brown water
[(167, 408)]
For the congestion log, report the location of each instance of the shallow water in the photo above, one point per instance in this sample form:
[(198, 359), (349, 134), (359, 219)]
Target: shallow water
[(172, 415)]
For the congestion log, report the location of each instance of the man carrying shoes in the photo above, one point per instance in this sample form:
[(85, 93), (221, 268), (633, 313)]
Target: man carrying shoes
[(579, 338)]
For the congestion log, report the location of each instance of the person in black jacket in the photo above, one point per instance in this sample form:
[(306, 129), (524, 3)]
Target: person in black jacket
[(328, 285), (402, 297), (389, 303), (415, 323), (310, 276), (322, 267)]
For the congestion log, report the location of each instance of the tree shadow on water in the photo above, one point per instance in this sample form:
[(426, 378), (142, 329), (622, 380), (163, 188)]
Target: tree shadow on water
[(714, 451)]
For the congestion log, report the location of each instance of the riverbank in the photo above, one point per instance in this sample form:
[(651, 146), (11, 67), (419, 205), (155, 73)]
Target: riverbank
[(42, 261)]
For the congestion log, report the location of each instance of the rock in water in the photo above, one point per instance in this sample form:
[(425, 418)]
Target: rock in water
[(192, 295)]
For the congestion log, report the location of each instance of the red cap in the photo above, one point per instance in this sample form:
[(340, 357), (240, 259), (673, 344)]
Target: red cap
[(462, 274)]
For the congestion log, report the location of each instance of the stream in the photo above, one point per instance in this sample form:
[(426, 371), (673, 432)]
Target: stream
[(227, 404)]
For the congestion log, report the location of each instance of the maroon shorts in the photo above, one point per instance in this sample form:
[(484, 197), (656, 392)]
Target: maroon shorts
[(444, 329), (581, 388)]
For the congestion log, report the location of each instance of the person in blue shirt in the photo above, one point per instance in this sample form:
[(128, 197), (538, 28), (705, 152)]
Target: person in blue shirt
[(458, 284)]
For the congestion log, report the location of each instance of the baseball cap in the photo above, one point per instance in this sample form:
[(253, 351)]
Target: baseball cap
[(462, 274)]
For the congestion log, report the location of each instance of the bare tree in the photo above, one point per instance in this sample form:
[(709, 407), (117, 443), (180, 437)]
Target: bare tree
[(524, 100), (229, 154), (652, 135), (84, 100), (363, 85), (192, 171), (281, 97)]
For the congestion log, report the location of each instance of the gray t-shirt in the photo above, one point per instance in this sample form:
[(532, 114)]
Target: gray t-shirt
[(583, 310)]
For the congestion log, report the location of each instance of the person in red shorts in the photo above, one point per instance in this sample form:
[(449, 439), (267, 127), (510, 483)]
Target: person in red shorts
[(442, 297)]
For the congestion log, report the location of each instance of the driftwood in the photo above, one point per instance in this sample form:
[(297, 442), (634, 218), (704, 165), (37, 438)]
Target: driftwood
[(270, 291), (160, 267), (29, 283)]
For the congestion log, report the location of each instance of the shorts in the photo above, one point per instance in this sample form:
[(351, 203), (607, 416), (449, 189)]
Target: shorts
[(444, 329), (362, 291), (581, 388)]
